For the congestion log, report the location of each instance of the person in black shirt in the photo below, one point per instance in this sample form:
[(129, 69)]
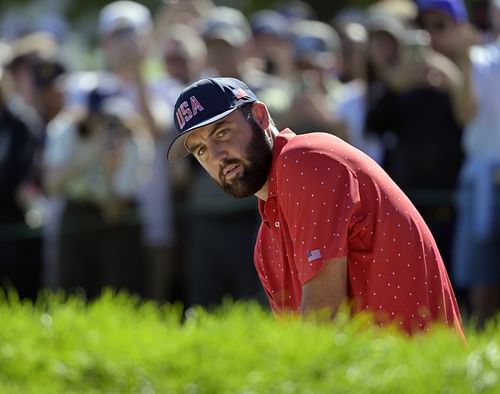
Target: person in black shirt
[(20, 245), (422, 101)]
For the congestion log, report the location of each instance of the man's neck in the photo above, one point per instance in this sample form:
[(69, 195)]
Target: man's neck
[(263, 193)]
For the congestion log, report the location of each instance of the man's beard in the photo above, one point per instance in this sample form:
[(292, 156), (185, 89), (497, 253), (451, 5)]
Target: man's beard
[(254, 175)]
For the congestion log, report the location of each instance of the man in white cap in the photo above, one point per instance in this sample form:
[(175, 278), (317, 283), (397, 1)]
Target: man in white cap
[(125, 29)]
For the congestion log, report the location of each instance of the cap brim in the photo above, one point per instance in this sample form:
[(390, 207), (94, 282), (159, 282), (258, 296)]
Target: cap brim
[(178, 150)]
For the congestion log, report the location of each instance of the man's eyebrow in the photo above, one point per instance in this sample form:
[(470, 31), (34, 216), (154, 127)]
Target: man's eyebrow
[(216, 127)]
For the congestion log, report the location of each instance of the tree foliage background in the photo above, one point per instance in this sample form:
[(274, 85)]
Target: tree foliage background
[(82, 13)]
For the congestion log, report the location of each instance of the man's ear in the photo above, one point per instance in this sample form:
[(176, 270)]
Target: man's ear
[(260, 115)]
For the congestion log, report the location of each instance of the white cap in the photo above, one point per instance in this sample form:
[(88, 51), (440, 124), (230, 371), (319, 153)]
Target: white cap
[(125, 14)]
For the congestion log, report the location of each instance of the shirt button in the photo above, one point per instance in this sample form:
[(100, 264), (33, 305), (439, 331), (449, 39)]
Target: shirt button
[(276, 224)]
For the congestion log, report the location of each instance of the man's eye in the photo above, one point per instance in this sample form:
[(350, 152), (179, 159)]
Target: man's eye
[(200, 151), (222, 133)]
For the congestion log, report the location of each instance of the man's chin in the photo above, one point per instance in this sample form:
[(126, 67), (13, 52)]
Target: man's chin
[(237, 190)]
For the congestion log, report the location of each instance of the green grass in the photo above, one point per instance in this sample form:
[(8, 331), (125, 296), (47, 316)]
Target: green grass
[(118, 345)]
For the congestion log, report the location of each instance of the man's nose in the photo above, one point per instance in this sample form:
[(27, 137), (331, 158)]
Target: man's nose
[(218, 152)]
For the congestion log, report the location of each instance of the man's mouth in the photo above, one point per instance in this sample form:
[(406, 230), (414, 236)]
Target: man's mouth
[(230, 171)]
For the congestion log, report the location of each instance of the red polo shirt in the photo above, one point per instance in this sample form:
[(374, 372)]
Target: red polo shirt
[(328, 200)]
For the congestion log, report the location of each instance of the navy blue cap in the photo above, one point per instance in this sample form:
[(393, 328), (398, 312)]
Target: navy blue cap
[(453, 8), (203, 103)]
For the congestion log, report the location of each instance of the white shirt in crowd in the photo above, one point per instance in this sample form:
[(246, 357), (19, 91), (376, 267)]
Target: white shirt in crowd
[(482, 134)]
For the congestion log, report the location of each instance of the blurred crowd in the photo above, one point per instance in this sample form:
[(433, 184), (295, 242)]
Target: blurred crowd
[(89, 201)]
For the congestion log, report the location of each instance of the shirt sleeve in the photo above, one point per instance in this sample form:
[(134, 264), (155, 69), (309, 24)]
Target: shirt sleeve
[(318, 196)]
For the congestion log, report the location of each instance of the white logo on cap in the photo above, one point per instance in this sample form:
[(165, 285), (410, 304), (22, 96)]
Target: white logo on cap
[(186, 112)]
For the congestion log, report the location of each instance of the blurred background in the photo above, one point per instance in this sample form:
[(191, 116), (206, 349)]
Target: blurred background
[(88, 200)]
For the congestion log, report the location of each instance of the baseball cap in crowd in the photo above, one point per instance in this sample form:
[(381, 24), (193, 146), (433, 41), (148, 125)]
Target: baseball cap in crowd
[(205, 102), (384, 22), (314, 41), (33, 45), (124, 14), (269, 22), (453, 8), (228, 24)]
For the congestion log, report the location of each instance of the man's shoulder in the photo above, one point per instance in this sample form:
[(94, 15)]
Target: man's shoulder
[(312, 143), (308, 153), (312, 154)]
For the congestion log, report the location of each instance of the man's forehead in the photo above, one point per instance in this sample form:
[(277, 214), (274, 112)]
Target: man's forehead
[(203, 132), (200, 133)]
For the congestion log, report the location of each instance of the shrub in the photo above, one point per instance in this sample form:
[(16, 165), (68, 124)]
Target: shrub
[(118, 344)]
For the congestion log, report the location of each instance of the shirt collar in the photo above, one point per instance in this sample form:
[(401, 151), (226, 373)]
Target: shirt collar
[(280, 141)]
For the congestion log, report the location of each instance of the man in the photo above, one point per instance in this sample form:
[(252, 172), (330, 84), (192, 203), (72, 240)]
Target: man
[(334, 226), (125, 31), (20, 255)]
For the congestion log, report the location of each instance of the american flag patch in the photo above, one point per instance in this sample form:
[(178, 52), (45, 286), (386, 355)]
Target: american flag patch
[(313, 255), (239, 93)]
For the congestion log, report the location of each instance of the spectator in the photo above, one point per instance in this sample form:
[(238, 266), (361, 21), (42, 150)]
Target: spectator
[(270, 43), (184, 55), (223, 229), (477, 242), (125, 30), (422, 102), (26, 50), (20, 259), (317, 89), (96, 160), (452, 36), (352, 34), (271, 59), (49, 74), (227, 36), (359, 78)]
